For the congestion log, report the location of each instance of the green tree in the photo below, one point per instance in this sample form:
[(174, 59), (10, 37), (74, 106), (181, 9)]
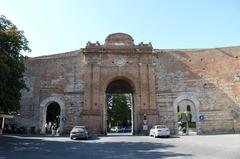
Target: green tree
[(119, 109), (12, 43), (184, 117)]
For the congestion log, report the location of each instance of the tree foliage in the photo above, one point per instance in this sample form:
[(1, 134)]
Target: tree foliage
[(12, 43), (119, 109), (184, 117)]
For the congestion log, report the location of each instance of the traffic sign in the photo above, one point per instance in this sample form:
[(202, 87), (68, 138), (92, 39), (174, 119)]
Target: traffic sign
[(64, 119), (145, 127), (201, 117), (144, 122)]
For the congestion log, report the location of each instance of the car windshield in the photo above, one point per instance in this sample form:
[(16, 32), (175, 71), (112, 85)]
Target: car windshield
[(161, 126), (83, 127), (78, 129)]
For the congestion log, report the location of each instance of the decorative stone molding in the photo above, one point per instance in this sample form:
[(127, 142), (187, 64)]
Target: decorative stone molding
[(120, 61), (119, 39)]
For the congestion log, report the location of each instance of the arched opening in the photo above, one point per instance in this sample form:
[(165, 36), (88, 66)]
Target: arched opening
[(119, 101), (52, 116), (187, 117)]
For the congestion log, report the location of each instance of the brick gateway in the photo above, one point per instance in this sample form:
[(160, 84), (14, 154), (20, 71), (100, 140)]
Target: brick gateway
[(161, 81)]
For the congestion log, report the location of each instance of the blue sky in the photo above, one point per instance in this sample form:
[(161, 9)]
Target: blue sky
[(55, 26)]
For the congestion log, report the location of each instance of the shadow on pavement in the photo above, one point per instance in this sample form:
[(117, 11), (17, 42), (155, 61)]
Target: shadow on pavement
[(12, 147)]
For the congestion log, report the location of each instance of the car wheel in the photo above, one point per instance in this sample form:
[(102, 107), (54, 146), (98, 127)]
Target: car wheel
[(71, 138)]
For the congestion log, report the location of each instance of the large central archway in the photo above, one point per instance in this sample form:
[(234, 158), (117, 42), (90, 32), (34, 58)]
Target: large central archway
[(119, 103)]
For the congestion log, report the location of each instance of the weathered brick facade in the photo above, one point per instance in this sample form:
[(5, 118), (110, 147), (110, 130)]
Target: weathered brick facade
[(77, 81)]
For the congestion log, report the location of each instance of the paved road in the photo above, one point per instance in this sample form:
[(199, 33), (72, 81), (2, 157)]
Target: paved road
[(121, 147)]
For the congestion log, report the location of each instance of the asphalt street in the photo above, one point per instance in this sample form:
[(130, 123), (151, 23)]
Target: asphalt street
[(121, 147)]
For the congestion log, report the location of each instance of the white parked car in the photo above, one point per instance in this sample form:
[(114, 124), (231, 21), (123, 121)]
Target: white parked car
[(160, 131)]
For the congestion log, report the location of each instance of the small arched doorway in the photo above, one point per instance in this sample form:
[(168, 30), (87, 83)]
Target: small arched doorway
[(52, 116), (43, 112), (187, 117), (119, 103)]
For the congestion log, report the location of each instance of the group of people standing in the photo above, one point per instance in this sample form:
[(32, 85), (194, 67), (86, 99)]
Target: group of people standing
[(52, 128)]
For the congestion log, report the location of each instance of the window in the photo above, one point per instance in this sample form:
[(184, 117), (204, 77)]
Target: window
[(178, 109), (188, 108)]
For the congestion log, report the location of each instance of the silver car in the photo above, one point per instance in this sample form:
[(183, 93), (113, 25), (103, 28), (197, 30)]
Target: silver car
[(79, 132)]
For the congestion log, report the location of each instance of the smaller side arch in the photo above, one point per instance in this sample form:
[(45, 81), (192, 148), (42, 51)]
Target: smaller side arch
[(191, 97), (43, 110)]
